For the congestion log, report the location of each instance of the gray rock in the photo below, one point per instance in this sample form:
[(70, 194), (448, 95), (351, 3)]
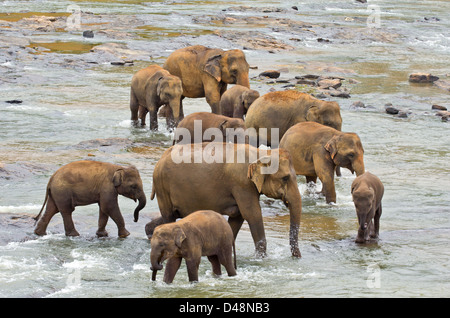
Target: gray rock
[(391, 109), (88, 34)]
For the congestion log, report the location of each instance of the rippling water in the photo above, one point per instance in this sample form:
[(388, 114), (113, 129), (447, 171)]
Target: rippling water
[(66, 104)]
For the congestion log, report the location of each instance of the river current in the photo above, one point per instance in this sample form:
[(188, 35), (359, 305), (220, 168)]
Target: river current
[(74, 104)]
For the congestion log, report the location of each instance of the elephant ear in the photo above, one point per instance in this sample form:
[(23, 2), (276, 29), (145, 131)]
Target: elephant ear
[(254, 172), (212, 67), (118, 177), (158, 86), (331, 146), (312, 113), (179, 235), (240, 107)]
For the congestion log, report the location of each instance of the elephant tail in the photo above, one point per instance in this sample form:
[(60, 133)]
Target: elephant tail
[(153, 191), (47, 194)]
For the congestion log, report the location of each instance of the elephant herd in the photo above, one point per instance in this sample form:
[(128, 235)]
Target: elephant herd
[(199, 179)]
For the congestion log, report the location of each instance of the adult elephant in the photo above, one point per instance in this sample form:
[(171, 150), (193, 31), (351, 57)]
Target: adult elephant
[(86, 182), (205, 72), (227, 178), (317, 150), (151, 88), (283, 109)]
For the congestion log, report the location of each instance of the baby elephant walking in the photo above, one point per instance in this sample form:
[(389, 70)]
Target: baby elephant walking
[(202, 233), (367, 192), (85, 182)]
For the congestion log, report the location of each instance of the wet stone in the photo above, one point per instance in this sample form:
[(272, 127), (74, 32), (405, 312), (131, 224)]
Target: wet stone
[(438, 107), (270, 74), (391, 109), (88, 34), (422, 78)]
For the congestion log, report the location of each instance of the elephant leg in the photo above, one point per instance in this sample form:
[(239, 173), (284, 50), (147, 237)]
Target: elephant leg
[(50, 211), (142, 114), (110, 207), (172, 266), (226, 259), (134, 107), (250, 209), (329, 189), (153, 118), (192, 265), (69, 227), (235, 223), (102, 221), (325, 172), (377, 222), (213, 99), (214, 260)]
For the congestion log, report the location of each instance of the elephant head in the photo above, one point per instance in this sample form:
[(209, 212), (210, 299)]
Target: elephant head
[(169, 90), (128, 183), (245, 101), (230, 67), (165, 243), (325, 113), (346, 151), (281, 184), (233, 130), (364, 200)]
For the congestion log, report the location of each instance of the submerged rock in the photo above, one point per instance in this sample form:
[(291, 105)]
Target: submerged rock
[(391, 109), (422, 78), (270, 74), (438, 107)]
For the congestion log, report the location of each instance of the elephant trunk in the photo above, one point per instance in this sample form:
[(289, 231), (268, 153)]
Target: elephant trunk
[(142, 202), (243, 80), (294, 203), (358, 166), (155, 260), (175, 105)]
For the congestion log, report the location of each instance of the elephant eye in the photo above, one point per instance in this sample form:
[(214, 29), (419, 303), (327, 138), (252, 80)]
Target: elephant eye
[(286, 178), (351, 155)]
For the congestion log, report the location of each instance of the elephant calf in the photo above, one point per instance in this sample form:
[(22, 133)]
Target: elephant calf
[(317, 150), (85, 182), (192, 128), (151, 88), (367, 192), (202, 233), (236, 101)]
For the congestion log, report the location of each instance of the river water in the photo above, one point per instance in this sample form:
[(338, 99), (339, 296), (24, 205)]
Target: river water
[(75, 106)]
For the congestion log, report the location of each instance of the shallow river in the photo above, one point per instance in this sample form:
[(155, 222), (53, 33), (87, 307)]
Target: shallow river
[(71, 96)]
